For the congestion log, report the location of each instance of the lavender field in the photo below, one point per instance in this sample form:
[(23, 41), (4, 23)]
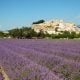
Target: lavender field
[(29, 59)]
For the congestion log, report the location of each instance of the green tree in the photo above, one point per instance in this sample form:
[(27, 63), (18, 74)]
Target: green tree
[(78, 35), (73, 35), (66, 34), (41, 34), (56, 29), (38, 22), (15, 33), (1, 34)]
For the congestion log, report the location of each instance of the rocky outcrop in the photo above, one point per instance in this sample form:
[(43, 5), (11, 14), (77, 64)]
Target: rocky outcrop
[(51, 26)]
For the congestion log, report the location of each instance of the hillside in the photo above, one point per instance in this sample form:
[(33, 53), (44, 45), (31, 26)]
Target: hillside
[(55, 26)]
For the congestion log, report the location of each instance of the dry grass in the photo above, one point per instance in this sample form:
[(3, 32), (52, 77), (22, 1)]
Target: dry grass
[(5, 76)]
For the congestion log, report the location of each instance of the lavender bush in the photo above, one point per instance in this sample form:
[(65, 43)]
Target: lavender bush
[(40, 59)]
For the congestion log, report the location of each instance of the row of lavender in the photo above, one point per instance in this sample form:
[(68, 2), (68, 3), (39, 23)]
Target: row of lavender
[(40, 59)]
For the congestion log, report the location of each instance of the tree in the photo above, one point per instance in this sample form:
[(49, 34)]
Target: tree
[(15, 33), (56, 29), (66, 34), (78, 35), (38, 22), (1, 34), (73, 35), (41, 34)]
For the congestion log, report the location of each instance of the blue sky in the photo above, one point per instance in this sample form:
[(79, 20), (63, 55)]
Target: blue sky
[(17, 13)]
